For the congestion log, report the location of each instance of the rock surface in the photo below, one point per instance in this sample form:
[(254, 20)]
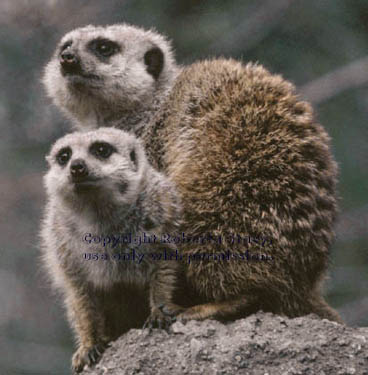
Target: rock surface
[(262, 344)]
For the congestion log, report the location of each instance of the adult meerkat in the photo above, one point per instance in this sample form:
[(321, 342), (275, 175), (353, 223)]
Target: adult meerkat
[(248, 159), (100, 185), (245, 154)]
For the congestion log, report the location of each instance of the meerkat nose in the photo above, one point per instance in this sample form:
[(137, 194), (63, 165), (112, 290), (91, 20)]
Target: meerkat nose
[(78, 169), (68, 57), (69, 62)]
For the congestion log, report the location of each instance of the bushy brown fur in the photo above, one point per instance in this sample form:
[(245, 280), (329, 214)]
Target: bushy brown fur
[(248, 158)]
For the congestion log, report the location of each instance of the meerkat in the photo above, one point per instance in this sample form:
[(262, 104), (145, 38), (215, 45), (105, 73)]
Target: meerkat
[(245, 154), (248, 158), (100, 185)]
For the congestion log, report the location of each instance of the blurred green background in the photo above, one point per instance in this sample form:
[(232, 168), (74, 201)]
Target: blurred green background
[(321, 46)]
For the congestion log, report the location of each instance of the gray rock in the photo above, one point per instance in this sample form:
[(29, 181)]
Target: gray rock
[(258, 345)]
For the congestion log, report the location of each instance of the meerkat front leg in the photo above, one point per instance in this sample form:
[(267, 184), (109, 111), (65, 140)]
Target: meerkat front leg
[(162, 288), (87, 321)]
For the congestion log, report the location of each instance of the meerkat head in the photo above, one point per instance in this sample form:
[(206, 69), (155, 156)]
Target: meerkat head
[(105, 166), (102, 72)]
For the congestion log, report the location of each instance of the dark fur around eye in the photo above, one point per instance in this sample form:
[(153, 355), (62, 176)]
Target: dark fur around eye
[(133, 158), (103, 48), (63, 156), (154, 59), (102, 150), (66, 45)]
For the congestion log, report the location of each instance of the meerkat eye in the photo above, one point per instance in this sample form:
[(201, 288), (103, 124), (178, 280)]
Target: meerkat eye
[(63, 156), (66, 45), (102, 150), (103, 47)]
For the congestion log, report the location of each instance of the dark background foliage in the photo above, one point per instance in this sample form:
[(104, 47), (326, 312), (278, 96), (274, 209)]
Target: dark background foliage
[(321, 46)]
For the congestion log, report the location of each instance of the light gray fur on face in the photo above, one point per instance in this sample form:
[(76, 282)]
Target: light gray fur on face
[(70, 215), (111, 173), (128, 192), (117, 87)]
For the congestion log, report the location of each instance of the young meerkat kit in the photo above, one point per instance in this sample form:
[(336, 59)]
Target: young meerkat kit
[(245, 154), (100, 185)]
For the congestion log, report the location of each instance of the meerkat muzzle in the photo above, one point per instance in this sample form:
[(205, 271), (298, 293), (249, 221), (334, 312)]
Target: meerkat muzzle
[(69, 63)]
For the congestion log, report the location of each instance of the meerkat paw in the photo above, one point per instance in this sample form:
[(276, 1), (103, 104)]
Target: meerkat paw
[(157, 320), (162, 316), (87, 356)]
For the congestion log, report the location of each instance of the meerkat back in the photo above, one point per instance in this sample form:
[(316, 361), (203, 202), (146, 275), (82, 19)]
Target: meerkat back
[(248, 159)]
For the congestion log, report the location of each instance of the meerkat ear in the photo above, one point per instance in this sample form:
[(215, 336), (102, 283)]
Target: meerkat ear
[(154, 59)]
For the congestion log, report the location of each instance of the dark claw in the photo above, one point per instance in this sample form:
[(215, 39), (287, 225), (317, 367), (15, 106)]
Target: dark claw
[(148, 324), (87, 356), (91, 358), (93, 355), (157, 322), (100, 348)]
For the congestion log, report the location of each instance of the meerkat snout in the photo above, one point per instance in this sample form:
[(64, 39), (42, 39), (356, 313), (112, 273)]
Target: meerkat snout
[(69, 62), (78, 170)]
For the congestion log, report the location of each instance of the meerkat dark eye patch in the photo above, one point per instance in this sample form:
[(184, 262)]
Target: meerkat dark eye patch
[(63, 156), (103, 48), (133, 158), (154, 59), (66, 45), (101, 150)]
